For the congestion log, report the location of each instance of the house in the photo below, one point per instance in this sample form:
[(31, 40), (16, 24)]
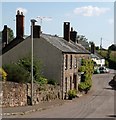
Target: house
[(98, 59), (61, 57)]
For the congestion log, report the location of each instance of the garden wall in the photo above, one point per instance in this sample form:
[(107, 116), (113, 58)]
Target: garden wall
[(18, 94)]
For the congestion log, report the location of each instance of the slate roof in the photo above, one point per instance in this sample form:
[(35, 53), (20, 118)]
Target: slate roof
[(58, 42), (64, 46)]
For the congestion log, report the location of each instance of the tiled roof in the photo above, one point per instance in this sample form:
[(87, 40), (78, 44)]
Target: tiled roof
[(63, 45)]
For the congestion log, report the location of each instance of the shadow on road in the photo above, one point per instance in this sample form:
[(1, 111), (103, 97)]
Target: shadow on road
[(114, 116), (109, 88)]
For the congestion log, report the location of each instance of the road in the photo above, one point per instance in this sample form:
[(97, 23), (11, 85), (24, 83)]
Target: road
[(98, 103)]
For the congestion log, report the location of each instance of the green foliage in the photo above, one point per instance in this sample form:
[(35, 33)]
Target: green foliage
[(88, 69), (112, 47), (42, 80), (16, 73), (111, 58), (72, 94), (10, 34), (26, 64), (52, 82), (85, 86), (3, 74)]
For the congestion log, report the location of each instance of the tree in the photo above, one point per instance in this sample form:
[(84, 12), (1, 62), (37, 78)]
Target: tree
[(112, 47), (10, 34)]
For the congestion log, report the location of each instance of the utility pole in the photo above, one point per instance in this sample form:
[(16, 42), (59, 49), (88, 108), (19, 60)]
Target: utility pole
[(32, 24), (100, 45)]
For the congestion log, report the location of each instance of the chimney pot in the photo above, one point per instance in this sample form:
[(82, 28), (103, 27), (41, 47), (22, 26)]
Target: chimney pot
[(19, 25), (67, 31), (5, 36), (71, 29), (92, 48), (73, 36), (36, 31)]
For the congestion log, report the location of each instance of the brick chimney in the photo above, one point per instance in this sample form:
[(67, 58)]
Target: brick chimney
[(19, 24), (67, 31), (5, 36), (92, 48), (73, 35), (36, 31)]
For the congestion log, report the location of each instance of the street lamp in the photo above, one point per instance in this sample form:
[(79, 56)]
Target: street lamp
[(32, 24)]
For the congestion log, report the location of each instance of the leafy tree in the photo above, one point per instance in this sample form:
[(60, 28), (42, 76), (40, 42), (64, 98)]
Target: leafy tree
[(10, 34), (112, 47), (16, 73), (26, 64)]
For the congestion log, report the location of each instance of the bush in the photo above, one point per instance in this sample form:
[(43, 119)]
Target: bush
[(26, 64), (85, 86), (3, 74), (42, 80), (16, 73), (52, 82), (88, 69), (72, 94)]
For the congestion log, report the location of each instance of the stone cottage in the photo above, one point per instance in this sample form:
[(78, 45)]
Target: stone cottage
[(60, 56)]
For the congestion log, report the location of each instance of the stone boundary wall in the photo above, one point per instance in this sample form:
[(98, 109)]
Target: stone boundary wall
[(18, 94)]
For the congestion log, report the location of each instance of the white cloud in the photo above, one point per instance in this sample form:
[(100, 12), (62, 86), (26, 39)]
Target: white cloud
[(22, 10), (90, 11), (111, 21)]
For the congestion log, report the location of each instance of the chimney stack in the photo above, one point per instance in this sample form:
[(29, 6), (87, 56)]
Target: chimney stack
[(5, 36), (36, 31), (67, 31), (73, 35), (19, 24), (92, 48)]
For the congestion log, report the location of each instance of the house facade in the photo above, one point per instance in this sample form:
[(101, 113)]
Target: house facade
[(60, 57)]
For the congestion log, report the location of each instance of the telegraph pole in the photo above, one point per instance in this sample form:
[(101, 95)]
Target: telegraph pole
[(100, 45)]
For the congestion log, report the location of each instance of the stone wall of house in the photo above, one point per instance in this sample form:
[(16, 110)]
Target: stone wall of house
[(17, 94)]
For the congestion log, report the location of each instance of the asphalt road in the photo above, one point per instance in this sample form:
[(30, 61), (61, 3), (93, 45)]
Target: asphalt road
[(98, 103)]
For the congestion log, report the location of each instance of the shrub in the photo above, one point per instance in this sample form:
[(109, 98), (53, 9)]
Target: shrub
[(16, 73), (42, 80), (52, 82), (88, 69), (3, 74), (72, 94), (26, 64)]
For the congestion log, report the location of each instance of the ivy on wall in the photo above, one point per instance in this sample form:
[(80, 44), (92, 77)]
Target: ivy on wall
[(87, 68)]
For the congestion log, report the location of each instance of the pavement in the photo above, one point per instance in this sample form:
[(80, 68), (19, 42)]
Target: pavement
[(28, 109), (9, 111)]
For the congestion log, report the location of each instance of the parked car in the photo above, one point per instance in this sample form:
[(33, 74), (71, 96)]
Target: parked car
[(103, 69), (96, 70)]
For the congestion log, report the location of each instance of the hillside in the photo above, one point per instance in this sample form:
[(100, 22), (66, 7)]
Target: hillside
[(112, 58)]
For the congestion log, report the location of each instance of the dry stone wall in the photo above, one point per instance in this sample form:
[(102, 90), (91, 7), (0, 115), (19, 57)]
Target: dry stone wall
[(18, 94)]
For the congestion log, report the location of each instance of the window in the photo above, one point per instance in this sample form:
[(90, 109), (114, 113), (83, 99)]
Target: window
[(75, 62), (70, 82), (66, 62), (66, 84), (70, 61)]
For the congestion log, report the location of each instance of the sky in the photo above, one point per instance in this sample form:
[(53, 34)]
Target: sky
[(94, 20)]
